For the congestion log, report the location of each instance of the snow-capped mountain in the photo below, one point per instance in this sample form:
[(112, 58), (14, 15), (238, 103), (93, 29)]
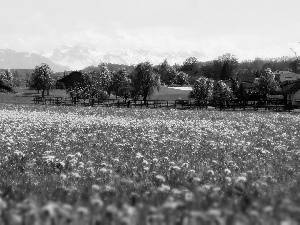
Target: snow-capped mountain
[(78, 57), (10, 59)]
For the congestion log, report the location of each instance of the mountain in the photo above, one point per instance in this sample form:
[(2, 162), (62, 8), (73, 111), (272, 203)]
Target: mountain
[(10, 59), (78, 57)]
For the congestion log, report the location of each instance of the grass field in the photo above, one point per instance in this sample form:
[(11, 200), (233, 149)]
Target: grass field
[(74, 165), (24, 95)]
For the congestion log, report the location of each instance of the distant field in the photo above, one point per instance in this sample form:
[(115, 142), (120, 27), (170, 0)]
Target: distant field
[(171, 93), (24, 95)]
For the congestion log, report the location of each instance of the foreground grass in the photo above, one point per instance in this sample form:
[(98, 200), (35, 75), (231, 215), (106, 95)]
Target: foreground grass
[(129, 166)]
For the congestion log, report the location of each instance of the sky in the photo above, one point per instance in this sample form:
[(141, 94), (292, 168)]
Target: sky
[(245, 28)]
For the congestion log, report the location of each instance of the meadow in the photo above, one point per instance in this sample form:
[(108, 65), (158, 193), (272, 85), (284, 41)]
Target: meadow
[(75, 165)]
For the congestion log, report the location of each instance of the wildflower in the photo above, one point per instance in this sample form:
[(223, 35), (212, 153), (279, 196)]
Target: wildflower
[(176, 191), (116, 160), (161, 178), (164, 188), (103, 170), (155, 160), (78, 154), (97, 202), (139, 155), (241, 179), (227, 171), (172, 163), (63, 176), (82, 215), (216, 189), (204, 188), (189, 197), (210, 172), (48, 212), (75, 174), (196, 180), (228, 179), (176, 168), (95, 187)]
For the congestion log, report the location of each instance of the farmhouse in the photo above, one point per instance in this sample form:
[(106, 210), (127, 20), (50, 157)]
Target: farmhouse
[(72, 79), (283, 76), (246, 78), (292, 91)]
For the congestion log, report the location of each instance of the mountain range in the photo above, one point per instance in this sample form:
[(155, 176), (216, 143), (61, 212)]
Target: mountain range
[(78, 57)]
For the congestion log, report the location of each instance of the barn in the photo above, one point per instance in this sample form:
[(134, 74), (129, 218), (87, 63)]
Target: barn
[(72, 79), (292, 91)]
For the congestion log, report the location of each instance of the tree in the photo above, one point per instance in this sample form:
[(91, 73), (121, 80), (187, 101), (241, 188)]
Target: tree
[(212, 70), (202, 89), (7, 76), (181, 78), (221, 92), (190, 64), (266, 83), (41, 78), (6, 80), (144, 80), (167, 73), (237, 88), (103, 78), (192, 67), (121, 83), (295, 65), (229, 63)]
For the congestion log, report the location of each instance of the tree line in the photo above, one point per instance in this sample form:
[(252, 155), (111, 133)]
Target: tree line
[(207, 78)]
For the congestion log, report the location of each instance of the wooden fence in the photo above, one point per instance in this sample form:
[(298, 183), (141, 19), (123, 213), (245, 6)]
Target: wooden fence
[(270, 104)]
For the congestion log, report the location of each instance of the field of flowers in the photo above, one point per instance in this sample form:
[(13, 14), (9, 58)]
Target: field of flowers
[(103, 166)]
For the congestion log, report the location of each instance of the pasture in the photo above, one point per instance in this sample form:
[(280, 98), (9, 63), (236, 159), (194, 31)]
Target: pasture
[(133, 166), (24, 96)]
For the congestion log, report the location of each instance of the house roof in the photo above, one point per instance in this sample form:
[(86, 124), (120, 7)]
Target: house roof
[(293, 89), (245, 76)]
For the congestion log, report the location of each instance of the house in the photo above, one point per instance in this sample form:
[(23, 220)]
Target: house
[(246, 78), (72, 79), (292, 91), (283, 76)]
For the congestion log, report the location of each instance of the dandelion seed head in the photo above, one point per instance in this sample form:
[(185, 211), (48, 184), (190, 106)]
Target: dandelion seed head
[(155, 160), (196, 180), (228, 179), (210, 172), (189, 197), (97, 202), (164, 188), (176, 168), (95, 187), (139, 156), (241, 179), (161, 178), (227, 171)]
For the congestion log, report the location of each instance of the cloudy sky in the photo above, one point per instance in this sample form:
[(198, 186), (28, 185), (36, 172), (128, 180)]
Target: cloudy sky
[(246, 28)]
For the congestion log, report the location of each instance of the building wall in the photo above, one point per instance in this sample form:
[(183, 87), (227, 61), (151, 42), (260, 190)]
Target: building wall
[(296, 96)]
